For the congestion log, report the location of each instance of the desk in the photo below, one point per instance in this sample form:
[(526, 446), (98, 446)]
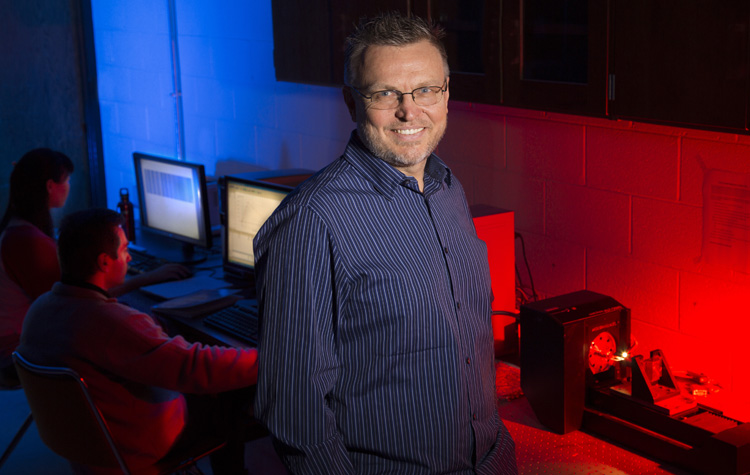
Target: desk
[(192, 329)]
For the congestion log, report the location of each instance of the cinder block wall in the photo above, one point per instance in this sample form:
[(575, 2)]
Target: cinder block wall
[(615, 207)]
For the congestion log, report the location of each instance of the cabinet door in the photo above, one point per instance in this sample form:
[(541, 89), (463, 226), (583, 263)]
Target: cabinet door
[(555, 55), (309, 36), (302, 41), (472, 42), (681, 61)]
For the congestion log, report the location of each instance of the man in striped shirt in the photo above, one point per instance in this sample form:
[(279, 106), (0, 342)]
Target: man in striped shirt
[(376, 351)]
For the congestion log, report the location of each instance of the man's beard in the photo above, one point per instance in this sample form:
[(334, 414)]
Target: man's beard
[(411, 157)]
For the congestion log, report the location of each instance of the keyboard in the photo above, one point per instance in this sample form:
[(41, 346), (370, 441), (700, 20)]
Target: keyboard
[(141, 263), (239, 321)]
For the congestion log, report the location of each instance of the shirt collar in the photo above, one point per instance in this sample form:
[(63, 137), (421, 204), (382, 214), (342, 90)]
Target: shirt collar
[(68, 280), (384, 177)]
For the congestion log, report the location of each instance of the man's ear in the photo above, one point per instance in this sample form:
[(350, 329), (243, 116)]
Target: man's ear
[(351, 104), (447, 89), (103, 262)]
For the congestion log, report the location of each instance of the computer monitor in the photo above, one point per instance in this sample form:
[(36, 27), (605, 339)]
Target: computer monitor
[(245, 205), (174, 204)]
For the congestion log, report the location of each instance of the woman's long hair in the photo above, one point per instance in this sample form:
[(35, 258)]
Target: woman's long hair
[(29, 199)]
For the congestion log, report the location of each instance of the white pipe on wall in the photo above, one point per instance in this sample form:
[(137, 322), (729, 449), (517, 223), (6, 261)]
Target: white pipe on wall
[(176, 83)]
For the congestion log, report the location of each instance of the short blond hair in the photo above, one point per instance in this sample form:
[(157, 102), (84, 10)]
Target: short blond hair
[(388, 29)]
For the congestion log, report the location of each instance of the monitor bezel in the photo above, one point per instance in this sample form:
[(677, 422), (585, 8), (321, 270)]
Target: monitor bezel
[(204, 226), (235, 270)]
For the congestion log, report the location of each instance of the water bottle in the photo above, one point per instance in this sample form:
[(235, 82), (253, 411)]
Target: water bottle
[(125, 207)]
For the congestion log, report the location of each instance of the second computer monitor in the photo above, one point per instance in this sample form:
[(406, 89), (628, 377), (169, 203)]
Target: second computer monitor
[(246, 205)]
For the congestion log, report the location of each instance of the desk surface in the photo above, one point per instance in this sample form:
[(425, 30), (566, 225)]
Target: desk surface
[(192, 329)]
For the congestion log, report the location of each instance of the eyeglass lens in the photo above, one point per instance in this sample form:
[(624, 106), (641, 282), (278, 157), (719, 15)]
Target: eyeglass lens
[(422, 97)]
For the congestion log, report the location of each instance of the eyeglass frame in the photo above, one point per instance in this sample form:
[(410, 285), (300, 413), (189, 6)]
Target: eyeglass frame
[(401, 95)]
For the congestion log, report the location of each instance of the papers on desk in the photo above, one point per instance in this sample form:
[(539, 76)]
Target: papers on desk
[(180, 288)]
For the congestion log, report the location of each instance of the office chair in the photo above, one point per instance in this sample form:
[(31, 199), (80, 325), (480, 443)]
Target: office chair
[(8, 385), (71, 425)]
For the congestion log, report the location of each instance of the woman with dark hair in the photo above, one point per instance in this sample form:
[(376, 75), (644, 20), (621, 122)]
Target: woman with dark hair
[(39, 182)]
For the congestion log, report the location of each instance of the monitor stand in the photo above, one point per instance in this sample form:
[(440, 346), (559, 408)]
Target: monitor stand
[(169, 249), (240, 280), (188, 256)]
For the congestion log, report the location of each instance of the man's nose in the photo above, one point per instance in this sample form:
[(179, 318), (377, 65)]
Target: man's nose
[(407, 108)]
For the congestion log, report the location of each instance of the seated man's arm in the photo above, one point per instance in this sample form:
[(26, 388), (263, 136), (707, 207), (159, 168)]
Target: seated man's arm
[(134, 347), (298, 357), (164, 273)]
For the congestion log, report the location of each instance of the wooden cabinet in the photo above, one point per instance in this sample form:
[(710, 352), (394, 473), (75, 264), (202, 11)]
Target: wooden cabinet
[(555, 55), (678, 62), (681, 62)]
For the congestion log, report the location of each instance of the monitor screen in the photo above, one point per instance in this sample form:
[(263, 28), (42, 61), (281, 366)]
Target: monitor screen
[(246, 205), (173, 199)]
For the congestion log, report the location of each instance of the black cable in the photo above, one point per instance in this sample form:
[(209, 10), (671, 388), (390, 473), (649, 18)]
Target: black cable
[(528, 269), (518, 276), (524, 298), (521, 297)]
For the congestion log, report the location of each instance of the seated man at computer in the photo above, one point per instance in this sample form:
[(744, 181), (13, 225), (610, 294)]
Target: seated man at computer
[(135, 372)]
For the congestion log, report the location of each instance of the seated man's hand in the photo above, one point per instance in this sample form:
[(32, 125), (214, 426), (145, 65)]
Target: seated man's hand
[(165, 273), (160, 274)]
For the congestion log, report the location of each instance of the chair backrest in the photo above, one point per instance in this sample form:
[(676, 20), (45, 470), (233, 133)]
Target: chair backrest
[(67, 419)]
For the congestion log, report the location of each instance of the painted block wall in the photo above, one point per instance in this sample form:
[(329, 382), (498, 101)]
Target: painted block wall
[(618, 208), (614, 207)]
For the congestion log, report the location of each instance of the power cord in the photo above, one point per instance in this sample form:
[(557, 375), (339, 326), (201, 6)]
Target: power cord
[(534, 295)]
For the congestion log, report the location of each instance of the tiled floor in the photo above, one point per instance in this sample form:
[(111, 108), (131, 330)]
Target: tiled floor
[(32, 457)]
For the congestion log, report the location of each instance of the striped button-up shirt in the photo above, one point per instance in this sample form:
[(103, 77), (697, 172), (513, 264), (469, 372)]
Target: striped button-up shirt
[(376, 351)]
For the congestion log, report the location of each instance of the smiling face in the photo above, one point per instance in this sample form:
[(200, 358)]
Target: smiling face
[(406, 135)]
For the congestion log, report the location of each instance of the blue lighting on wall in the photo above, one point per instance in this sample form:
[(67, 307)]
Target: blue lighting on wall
[(236, 117)]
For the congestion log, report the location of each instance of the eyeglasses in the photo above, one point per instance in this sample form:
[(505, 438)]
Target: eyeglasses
[(391, 98)]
